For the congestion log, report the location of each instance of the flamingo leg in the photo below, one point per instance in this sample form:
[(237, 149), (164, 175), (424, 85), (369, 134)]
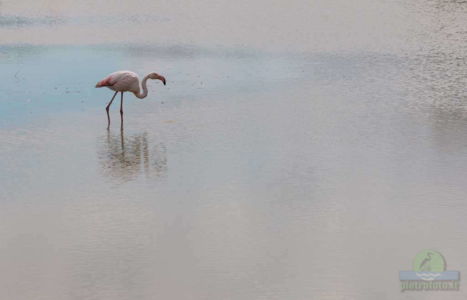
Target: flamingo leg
[(121, 111), (107, 109)]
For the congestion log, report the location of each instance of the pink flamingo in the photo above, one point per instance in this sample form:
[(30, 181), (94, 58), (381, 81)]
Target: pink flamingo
[(126, 81)]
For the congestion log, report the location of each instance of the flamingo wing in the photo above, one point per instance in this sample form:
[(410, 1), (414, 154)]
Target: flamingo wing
[(120, 81), (107, 81)]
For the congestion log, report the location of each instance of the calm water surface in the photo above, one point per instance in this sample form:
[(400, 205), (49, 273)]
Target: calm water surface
[(299, 151)]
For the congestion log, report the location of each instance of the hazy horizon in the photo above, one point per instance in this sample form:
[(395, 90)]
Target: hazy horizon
[(299, 26)]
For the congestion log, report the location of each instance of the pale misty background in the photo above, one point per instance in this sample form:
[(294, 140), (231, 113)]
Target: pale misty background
[(300, 150)]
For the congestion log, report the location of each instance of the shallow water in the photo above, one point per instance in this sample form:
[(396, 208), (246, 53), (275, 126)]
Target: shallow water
[(307, 161)]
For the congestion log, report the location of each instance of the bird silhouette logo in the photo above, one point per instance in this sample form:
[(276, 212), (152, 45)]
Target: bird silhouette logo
[(425, 265), (429, 273), (429, 261)]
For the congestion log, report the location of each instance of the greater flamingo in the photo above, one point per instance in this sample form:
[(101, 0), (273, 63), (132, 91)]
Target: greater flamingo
[(126, 81)]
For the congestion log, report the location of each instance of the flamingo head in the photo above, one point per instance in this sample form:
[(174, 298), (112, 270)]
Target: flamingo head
[(157, 76)]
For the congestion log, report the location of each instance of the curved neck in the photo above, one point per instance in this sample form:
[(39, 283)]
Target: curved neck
[(145, 89)]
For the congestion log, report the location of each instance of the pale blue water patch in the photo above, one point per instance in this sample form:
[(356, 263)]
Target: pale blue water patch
[(43, 80)]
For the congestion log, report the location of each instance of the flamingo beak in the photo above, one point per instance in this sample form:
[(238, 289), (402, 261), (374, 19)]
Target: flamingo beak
[(162, 78)]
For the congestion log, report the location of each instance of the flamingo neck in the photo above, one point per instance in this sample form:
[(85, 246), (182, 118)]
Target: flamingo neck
[(145, 89)]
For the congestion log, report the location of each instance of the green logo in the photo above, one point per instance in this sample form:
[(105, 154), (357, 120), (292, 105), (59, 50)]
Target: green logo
[(429, 261), (429, 273)]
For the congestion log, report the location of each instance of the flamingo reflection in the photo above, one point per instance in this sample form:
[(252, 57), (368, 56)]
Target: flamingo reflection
[(127, 158)]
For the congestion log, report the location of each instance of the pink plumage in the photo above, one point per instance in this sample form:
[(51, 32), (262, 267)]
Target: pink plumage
[(126, 81)]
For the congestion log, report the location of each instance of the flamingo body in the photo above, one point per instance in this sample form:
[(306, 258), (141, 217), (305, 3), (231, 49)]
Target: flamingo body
[(121, 81), (126, 81)]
